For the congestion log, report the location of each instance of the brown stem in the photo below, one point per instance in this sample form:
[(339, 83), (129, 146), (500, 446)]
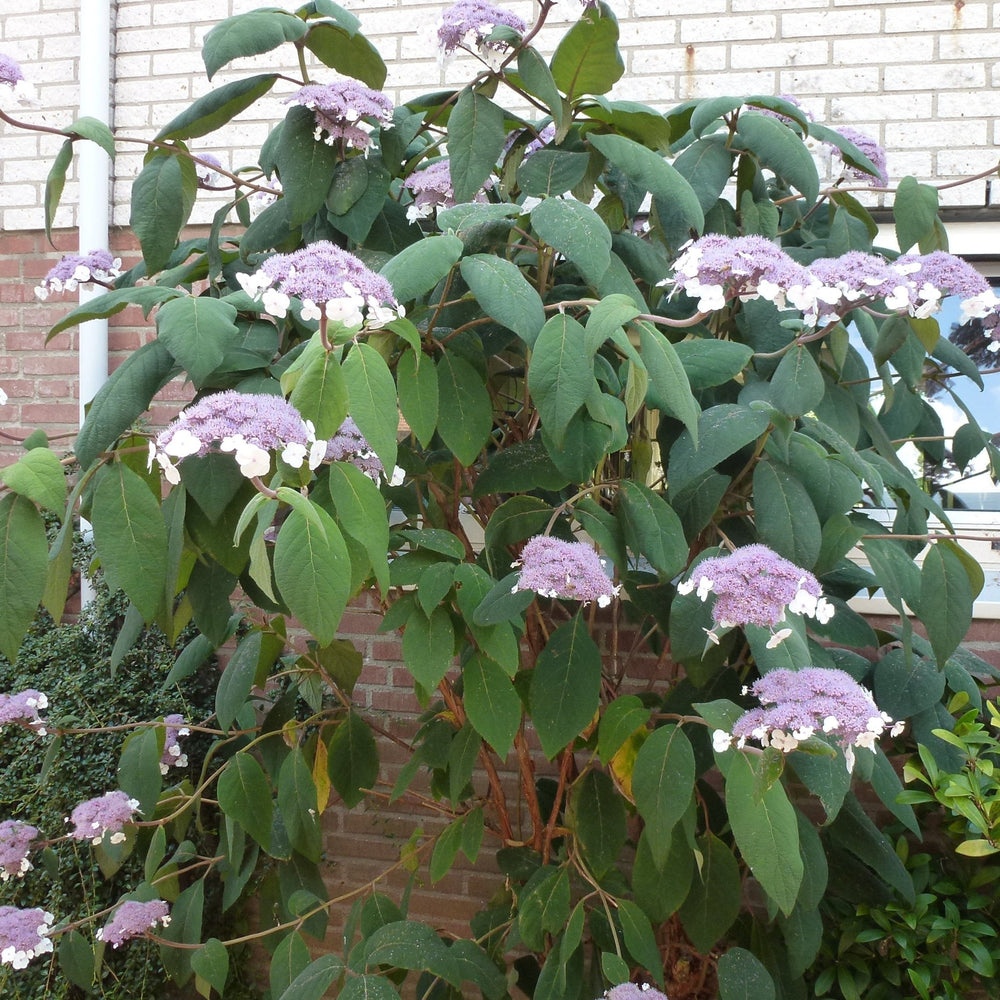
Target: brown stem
[(527, 771), (565, 767)]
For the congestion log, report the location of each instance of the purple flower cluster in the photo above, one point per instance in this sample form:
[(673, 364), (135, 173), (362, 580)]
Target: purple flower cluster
[(571, 570), (340, 107), (432, 188), (23, 935), (473, 21), (328, 280), (98, 265), (132, 920), (11, 73), (23, 708), (755, 586), (632, 991), (175, 727), (16, 839), (870, 147), (206, 172), (107, 813), (796, 704), (350, 445), (716, 269), (250, 426)]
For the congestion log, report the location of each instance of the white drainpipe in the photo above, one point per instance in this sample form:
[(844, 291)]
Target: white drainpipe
[(94, 205)]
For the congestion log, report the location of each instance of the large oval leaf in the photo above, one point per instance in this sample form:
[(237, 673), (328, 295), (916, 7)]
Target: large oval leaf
[(23, 555)]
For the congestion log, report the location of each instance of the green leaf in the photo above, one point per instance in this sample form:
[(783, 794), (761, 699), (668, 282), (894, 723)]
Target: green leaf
[(893, 333), (660, 892), (211, 963), (406, 944), (289, 959), (785, 517), (516, 519), (465, 417), (826, 777), (76, 959), (714, 899), (352, 759), (766, 831), (162, 197), (368, 988), (722, 430), (102, 306), (706, 165), (742, 976), (651, 172), (543, 905), (915, 212), (297, 805), (905, 685), (348, 52), (419, 267), (652, 529), (779, 149), (237, 679), (320, 392), (306, 165), (550, 172), (669, 389), (597, 818), (39, 476), (361, 512), (522, 467), (139, 768), (565, 686), (122, 399), (797, 385), (577, 232), (505, 295), (945, 599), (312, 571), (475, 141), (640, 940), (197, 332), (538, 81), (607, 318), (95, 130), (561, 375), (429, 647), (662, 782), (417, 385), (54, 184), (314, 980), (491, 703), (245, 796), (217, 107), (587, 60), (184, 927), (372, 394), (620, 720), (249, 34), (130, 537)]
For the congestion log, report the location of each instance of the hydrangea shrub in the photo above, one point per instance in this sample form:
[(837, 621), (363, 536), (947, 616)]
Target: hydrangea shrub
[(642, 379)]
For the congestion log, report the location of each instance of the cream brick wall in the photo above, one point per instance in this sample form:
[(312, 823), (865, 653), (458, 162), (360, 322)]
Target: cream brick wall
[(919, 75)]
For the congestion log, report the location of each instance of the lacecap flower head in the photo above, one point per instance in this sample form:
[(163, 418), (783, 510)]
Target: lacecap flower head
[(247, 425), (23, 708), (472, 22), (797, 704), (870, 147), (432, 188), (12, 78), (133, 919), (107, 813), (340, 107), (74, 269), (172, 756), (350, 445), (571, 570), (633, 991), (16, 839), (755, 586), (329, 281), (23, 935)]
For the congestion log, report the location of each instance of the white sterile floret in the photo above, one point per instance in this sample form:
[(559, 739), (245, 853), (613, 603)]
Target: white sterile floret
[(778, 637), (721, 740)]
